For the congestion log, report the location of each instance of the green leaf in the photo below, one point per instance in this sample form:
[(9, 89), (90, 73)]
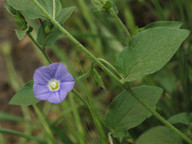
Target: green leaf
[(27, 7), (159, 135), (52, 37), (25, 96), (183, 118), (32, 11), (171, 24), (64, 14), (149, 51), (40, 35), (21, 33), (125, 112), (98, 78)]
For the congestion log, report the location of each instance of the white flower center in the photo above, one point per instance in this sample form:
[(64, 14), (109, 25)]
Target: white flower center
[(54, 85)]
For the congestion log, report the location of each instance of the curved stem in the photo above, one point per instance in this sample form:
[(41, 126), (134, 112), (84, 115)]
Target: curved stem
[(80, 97), (121, 24), (39, 47), (108, 64), (12, 132), (124, 85)]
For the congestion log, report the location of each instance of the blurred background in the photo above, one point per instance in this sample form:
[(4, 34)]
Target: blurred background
[(104, 38)]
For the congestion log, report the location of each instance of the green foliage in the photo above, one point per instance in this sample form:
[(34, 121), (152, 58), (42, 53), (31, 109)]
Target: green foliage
[(98, 78), (125, 112), (24, 96), (47, 34), (159, 135), (170, 24), (21, 33), (64, 14), (149, 51), (20, 20), (183, 118), (32, 11)]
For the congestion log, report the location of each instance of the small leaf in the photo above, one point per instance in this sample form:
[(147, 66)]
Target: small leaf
[(182, 118), (125, 112), (40, 35), (98, 78), (149, 51), (52, 37), (171, 24), (21, 33), (64, 14), (159, 135), (25, 96)]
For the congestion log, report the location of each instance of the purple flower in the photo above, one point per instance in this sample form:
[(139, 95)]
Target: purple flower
[(52, 83)]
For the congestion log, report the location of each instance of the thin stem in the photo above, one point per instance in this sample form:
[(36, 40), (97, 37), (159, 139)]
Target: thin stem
[(78, 44), (108, 64), (39, 47), (181, 11), (121, 24), (51, 139), (81, 135), (80, 97), (110, 138), (160, 10), (54, 9), (12, 132)]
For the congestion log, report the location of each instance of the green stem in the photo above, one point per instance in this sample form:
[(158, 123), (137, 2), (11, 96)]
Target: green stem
[(51, 139), (110, 138), (181, 11), (83, 88), (160, 10), (80, 97), (158, 116), (2, 141), (121, 24), (81, 135), (39, 47), (78, 44), (111, 67), (12, 132), (89, 18)]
